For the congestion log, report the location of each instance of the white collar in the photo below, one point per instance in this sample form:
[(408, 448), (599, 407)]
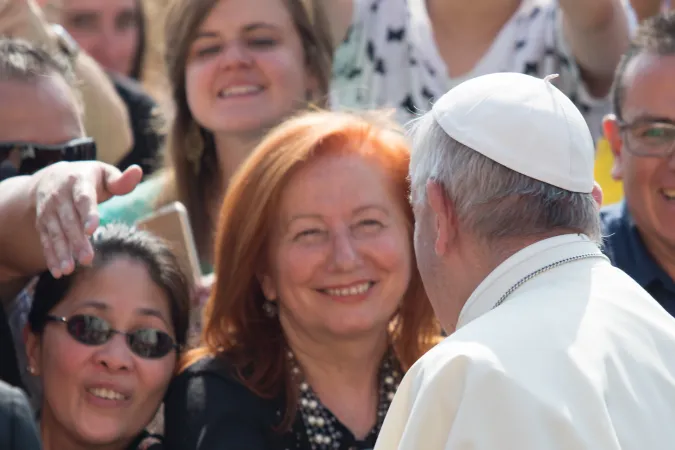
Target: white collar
[(520, 265)]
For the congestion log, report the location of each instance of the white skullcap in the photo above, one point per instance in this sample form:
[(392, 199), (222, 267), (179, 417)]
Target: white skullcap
[(523, 123)]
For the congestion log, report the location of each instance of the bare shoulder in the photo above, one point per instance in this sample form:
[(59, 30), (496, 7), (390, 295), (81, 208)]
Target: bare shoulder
[(340, 14)]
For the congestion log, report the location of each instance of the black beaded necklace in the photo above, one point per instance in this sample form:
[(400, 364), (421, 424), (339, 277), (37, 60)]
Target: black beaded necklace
[(320, 423)]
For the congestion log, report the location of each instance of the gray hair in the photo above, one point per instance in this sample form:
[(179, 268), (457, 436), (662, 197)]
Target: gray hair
[(23, 61), (491, 200)]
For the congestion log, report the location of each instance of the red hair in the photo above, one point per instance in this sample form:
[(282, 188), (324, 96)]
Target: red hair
[(234, 321)]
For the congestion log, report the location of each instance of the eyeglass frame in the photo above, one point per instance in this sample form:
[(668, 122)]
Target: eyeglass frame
[(625, 127), (27, 150), (127, 335)]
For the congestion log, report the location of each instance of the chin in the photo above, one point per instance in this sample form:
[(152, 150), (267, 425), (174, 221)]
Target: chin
[(100, 433), (244, 122), (353, 328)]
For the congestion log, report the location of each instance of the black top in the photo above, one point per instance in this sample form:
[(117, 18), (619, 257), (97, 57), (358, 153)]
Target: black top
[(17, 428), (626, 249), (207, 408), (142, 110), (9, 364)]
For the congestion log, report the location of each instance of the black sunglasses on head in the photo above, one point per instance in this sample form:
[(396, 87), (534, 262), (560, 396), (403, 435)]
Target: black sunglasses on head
[(90, 330), (34, 157)]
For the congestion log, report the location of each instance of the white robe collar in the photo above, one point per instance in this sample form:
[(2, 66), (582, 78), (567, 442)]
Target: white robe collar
[(520, 265)]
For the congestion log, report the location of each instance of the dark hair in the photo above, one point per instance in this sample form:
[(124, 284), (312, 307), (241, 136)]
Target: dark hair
[(139, 57), (655, 35), (22, 61), (111, 242)]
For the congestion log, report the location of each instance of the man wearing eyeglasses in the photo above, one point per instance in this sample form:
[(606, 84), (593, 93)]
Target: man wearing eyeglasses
[(41, 115), (40, 124), (640, 231)]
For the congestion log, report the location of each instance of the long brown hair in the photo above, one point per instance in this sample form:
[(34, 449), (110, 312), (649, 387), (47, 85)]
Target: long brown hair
[(234, 322), (190, 152)]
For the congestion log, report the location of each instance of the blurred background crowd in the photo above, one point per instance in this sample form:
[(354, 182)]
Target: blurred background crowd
[(242, 112)]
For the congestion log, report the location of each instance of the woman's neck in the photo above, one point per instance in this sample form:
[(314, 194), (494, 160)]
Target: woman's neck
[(55, 437), (344, 375), (232, 151)]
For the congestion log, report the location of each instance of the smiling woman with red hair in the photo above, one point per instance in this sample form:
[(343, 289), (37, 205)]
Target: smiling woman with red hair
[(318, 308)]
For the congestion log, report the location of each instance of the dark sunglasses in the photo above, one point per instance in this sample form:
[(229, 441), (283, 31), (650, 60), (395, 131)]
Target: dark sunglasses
[(91, 330), (34, 157)]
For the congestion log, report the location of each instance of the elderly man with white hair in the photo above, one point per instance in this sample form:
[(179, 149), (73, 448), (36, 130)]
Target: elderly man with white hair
[(550, 346)]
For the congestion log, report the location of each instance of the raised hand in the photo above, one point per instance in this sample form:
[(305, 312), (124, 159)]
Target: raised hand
[(66, 198)]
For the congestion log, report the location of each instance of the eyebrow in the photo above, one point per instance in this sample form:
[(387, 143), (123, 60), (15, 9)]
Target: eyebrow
[(150, 312), (258, 25), (367, 207), (247, 29), (648, 118), (356, 211), (147, 312), (83, 12)]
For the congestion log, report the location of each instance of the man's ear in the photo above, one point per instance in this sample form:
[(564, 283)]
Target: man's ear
[(612, 132), (443, 216), (597, 193)]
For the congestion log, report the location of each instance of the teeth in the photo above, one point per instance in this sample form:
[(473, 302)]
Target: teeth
[(670, 193), (106, 394), (239, 90), (352, 290)]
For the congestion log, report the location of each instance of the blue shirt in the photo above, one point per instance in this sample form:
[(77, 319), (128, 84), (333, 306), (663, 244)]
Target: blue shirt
[(627, 251)]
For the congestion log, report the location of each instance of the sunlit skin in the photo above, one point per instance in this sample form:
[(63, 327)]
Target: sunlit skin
[(342, 254), (246, 69)]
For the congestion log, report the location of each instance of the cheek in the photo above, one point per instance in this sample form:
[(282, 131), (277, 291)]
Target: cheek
[(285, 72), (60, 373), (197, 80), (298, 265), (128, 44), (392, 252), (638, 173), (89, 43), (154, 378)]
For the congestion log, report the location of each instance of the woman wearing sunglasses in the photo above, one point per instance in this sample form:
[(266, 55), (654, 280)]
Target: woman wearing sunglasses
[(105, 340)]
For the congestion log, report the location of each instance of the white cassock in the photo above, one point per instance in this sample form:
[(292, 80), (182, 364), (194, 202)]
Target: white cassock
[(579, 356)]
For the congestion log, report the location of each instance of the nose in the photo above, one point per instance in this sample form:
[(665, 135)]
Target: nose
[(100, 46), (115, 354), (346, 256), (235, 55)]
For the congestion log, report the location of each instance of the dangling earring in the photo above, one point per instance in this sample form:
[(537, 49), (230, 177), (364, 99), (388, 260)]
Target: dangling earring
[(270, 309), (195, 148)]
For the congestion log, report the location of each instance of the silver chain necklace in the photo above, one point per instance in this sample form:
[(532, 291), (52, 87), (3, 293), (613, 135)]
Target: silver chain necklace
[(542, 270)]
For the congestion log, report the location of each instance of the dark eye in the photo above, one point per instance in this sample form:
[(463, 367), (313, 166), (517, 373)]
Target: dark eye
[(262, 43), (370, 223), (207, 51), (126, 20), (655, 133), (308, 233), (84, 22)]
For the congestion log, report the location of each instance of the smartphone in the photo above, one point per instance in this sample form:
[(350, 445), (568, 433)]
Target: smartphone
[(172, 224)]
